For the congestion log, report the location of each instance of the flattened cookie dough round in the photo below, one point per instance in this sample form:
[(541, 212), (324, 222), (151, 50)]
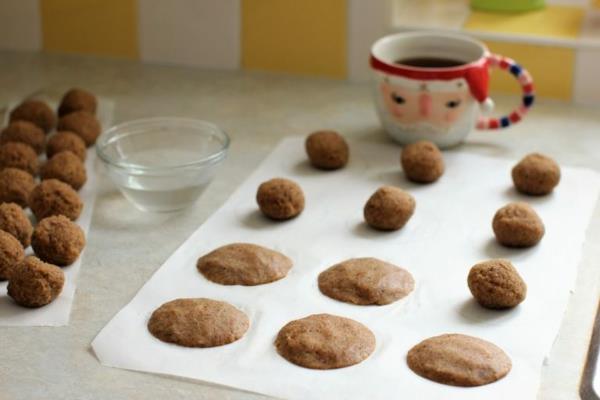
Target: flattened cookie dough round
[(324, 341), (244, 264), (459, 360), (518, 225), (366, 281), (198, 323)]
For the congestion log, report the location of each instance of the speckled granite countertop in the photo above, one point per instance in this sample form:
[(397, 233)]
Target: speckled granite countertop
[(126, 246)]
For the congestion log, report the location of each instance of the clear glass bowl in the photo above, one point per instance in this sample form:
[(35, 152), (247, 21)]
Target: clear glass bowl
[(162, 164)]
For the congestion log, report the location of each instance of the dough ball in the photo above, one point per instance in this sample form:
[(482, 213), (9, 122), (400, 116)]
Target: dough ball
[(53, 197), (24, 132), (66, 141), (57, 240), (77, 99), (15, 186), (389, 208), (35, 111), (366, 281), (33, 283), (66, 167), (459, 360), (14, 221), (327, 150), (496, 284), (198, 323), (518, 225), (324, 341), (83, 124), (422, 162), (280, 199), (244, 264), (11, 254), (536, 174), (20, 156)]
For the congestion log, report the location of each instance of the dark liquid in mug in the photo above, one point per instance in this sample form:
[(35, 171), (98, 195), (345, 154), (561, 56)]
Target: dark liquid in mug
[(430, 62)]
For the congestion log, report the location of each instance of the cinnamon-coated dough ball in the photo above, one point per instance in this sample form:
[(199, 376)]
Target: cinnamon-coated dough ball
[(518, 225), (77, 99), (536, 174), (57, 240), (11, 254), (33, 283), (389, 208), (19, 155), (422, 162), (66, 141), (53, 197), (496, 284), (327, 150), (14, 221), (83, 124), (35, 111), (66, 167), (24, 132), (280, 199), (15, 186)]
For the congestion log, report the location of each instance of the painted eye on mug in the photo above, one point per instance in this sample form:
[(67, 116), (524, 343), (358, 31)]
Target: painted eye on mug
[(453, 104), (398, 99)]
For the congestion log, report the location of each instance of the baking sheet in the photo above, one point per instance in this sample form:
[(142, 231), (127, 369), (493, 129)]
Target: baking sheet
[(450, 232), (57, 313)]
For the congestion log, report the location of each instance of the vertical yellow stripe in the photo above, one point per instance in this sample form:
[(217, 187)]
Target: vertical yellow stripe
[(102, 27), (302, 37)]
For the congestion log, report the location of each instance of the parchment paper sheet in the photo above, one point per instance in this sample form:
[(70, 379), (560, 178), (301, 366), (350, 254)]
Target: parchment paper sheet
[(450, 232)]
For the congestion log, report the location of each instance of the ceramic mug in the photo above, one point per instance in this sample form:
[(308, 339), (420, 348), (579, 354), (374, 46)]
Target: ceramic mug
[(440, 103)]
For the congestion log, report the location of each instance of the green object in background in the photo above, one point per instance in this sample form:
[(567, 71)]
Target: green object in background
[(507, 5)]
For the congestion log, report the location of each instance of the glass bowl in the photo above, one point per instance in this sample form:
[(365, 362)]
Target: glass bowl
[(162, 164)]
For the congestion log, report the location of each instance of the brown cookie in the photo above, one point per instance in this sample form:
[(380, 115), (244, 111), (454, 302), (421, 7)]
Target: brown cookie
[(389, 208), (66, 141), (518, 225), (34, 283), (198, 323), (77, 99), (422, 162), (459, 360), (324, 341), (24, 132), (243, 264), (15, 186), (11, 254), (53, 197), (19, 155), (327, 150), (83, 124), (57, 240), (66, 167), (35, 111), (536, 174), (280, 199), (496, 284), (14, 221), (366, 281)]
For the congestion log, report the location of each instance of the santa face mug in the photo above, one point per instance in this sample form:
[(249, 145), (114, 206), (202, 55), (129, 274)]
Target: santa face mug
[(431, 86)]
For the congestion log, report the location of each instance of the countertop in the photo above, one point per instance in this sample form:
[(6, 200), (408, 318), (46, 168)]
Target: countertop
[(125, 246)]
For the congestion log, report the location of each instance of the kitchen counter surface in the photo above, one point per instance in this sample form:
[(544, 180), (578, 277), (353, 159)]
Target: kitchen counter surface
[(126, 246)]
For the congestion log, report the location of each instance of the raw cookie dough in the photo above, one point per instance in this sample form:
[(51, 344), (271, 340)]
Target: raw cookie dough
[(324, 341), (327, 150), (518, 225), (11, 254), (243, 264), (496, 284), (18, 155), (24, 132), (57, 240), (366, 281), (459, 360), (198, 323), (83, 124), (15, 186), (53, 197), (389, 208), (66, 140), (14, 221), (422, 162), (77, 99), (66, 167), (536, 174), (33, 283), (35, 111), (280, 199)]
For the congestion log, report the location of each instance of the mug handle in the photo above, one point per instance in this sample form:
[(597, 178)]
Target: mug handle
[(526, 82)]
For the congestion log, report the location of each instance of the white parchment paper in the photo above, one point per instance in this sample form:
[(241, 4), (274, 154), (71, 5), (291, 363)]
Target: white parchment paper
[(450, 232), (57, 313)]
